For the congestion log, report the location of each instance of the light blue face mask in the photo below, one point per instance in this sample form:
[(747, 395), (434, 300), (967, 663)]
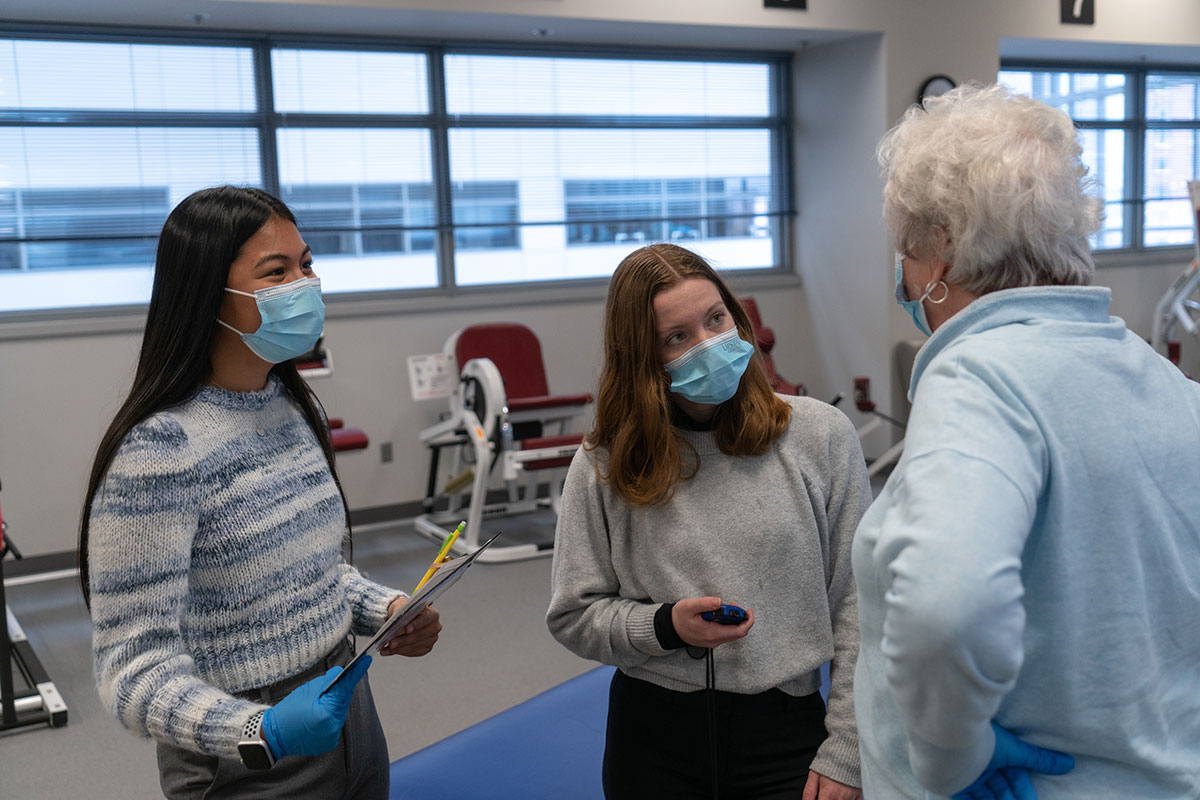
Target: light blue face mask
[(711, 371), (915, 308), (293, 317)]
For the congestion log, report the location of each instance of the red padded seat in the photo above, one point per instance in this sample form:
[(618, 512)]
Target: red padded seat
[(548, 401), (517, 354), (349, 439), (766, 341), (538, 442)]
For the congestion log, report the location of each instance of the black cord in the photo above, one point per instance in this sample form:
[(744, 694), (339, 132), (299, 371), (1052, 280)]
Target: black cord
[(710, 687), (710, 690)]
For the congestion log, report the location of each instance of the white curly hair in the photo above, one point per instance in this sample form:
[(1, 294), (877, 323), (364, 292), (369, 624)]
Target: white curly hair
[(1000, 175)]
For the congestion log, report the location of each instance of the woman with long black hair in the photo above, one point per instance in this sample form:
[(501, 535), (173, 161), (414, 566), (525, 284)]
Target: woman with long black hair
[(211, 547)]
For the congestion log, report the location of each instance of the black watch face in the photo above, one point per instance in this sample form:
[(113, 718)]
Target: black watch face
[(254, 755)]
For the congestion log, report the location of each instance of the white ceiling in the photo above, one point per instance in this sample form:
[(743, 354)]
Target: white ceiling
[(279, 17), (1046, 50)]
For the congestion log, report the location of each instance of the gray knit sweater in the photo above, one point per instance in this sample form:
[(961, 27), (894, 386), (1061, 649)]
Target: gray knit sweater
[(771, 532), (216, 566)]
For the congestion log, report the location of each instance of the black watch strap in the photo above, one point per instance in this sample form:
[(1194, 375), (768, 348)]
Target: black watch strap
[(664, 628)]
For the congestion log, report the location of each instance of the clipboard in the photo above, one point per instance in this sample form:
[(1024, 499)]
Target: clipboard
[(446, 576)]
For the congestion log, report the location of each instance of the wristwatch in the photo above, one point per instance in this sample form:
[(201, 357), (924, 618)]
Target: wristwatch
[(253, 749)]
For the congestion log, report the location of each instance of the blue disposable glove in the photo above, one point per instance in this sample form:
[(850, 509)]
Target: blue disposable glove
[(1006, 777), (307, 722)]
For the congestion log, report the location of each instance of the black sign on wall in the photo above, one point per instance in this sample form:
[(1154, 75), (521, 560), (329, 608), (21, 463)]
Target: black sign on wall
[(797, 4), (1078, 12)]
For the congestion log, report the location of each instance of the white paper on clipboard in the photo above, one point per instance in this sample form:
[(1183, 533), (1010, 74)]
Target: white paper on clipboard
[(446, 576)]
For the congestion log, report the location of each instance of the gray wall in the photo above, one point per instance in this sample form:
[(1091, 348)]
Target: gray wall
[(858, 65)]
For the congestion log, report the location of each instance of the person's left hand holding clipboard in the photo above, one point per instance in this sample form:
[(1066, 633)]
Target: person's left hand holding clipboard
[(420, 635)]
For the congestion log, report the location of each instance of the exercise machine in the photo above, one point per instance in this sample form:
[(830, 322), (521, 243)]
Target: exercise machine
[(318, 363), (766, 343), (1179, 307), (502, 422), (865, 405), (40, 702)]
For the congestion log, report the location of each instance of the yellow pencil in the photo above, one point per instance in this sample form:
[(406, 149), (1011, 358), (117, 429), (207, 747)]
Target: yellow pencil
[(443, 554)]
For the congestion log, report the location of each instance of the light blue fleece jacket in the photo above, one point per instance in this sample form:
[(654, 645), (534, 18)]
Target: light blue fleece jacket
[(215, 550), (1035, 559)]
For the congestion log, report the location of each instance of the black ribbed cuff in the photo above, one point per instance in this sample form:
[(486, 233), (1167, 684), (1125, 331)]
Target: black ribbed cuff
[(664, 628)]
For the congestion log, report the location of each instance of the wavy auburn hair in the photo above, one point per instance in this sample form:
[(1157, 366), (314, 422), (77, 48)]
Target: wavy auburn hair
[(647, 457)]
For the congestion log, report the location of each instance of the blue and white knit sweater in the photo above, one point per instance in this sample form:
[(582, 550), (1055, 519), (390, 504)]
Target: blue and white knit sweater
[(216, 566)]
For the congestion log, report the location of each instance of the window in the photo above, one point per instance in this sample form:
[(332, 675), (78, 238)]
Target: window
[(358, 219), (1140, 131), (484, 215), (364, 199), (608, 154), (128, 216), (676, 210), (408, 167), (92, 160)]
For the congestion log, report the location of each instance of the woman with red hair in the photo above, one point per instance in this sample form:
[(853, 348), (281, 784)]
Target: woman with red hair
[(698, 487)]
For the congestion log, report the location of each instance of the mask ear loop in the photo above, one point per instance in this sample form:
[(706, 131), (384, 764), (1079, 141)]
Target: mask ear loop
[(226, 324)]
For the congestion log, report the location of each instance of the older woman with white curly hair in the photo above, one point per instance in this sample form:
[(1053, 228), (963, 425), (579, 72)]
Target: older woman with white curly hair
[(1029, 577)]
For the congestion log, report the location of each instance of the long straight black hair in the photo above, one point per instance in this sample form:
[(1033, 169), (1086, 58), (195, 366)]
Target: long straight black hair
[(199, 242)]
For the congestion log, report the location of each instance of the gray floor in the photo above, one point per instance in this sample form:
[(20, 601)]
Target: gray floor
[(494, 652)]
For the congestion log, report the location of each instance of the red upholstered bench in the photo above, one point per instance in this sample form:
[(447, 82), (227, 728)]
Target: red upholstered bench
[(540, 402), (346, 438), (539, 442), (349, 439)]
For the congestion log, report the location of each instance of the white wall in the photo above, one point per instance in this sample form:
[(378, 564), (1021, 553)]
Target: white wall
[(370, 388), (840, 94), (859, 63), (58, 394)]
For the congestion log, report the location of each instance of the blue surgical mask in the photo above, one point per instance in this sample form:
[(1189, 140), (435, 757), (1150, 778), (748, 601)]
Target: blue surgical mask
[(293, 317), (711, 371), (914, 308)]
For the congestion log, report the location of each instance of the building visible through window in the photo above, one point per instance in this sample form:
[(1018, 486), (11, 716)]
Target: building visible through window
[(530, 166), (1142, 161)]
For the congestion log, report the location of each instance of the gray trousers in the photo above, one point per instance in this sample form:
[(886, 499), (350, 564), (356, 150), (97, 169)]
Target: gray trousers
[(357, 769)]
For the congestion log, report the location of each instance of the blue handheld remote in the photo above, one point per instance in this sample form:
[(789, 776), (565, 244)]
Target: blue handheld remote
[(726, 615)]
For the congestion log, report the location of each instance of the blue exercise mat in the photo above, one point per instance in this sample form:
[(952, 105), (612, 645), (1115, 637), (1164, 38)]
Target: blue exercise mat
[(548, 748)]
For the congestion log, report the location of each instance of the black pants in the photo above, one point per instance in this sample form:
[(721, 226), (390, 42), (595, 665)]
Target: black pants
[(657, 744)]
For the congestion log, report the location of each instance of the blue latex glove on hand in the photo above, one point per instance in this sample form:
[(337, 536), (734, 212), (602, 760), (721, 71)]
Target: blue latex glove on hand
[(307, 722), (1006, 777)]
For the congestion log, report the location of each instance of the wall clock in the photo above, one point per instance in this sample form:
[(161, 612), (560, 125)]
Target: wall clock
[(935, 85)]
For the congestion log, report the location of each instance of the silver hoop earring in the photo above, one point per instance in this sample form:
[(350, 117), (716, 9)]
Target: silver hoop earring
[(933, 285)]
